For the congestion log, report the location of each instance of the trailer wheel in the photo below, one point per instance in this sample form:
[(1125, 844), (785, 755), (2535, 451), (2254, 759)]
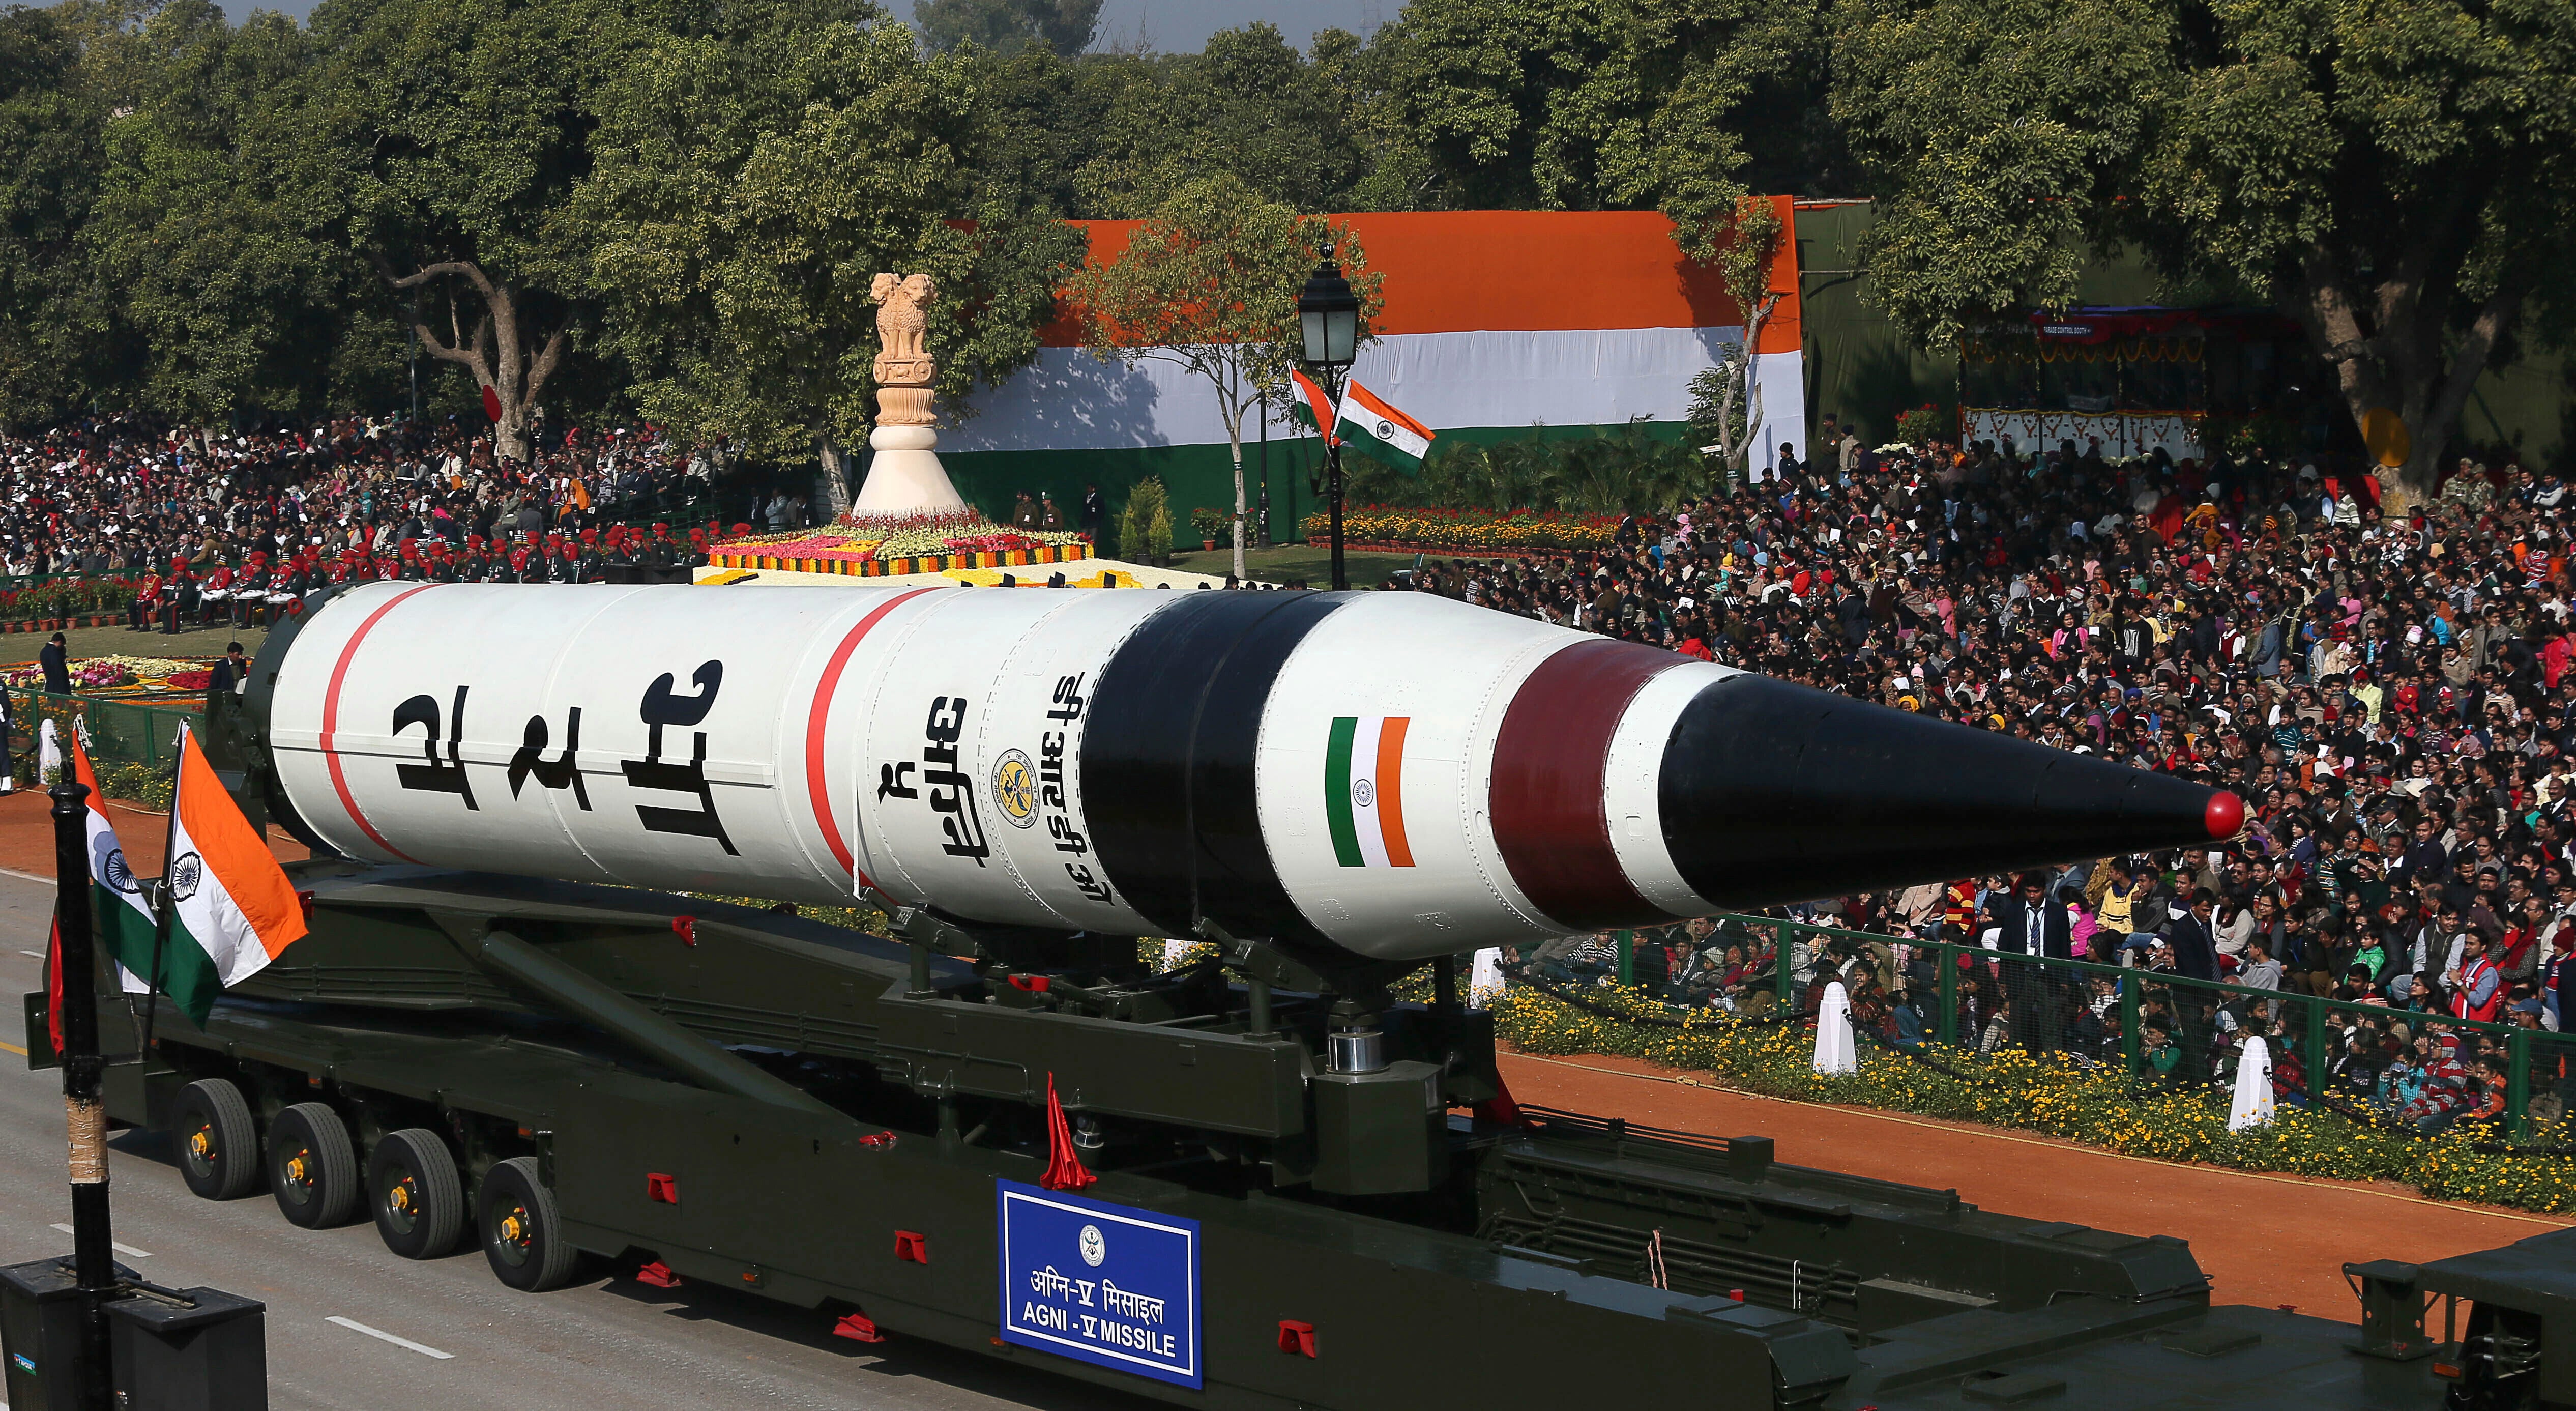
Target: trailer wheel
[(522, 1234), (418, 1200), (217, 1142), (312, 1168)]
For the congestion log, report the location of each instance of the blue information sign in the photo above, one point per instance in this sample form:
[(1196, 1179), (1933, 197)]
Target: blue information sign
[(1103, 1283)]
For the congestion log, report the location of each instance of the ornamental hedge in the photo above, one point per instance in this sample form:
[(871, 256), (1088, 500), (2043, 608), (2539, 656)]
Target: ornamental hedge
[(2096, 1105), (53, 598)]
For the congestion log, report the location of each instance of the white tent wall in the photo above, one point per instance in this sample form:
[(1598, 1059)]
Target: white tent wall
[(1069, 400)]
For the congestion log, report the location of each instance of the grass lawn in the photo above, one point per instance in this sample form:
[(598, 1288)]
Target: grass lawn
[(83, 642), (1314, 563)]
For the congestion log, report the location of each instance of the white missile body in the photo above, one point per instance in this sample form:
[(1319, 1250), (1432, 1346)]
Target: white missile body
[(1394, 774)]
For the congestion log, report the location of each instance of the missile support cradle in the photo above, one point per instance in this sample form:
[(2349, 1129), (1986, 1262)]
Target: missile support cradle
[(1307, 1192)]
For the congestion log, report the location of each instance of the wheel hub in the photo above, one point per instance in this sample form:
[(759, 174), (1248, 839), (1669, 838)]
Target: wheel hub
[(201, 1144)]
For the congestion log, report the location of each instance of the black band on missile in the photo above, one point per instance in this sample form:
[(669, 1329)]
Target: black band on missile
[(1167, 761), (1775, 793)]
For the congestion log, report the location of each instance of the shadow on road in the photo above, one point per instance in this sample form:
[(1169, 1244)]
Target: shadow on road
[(1028, 1384)]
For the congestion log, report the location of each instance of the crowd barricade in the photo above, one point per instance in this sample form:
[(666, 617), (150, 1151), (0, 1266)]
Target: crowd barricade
[(2109, 1014), (117, 732)]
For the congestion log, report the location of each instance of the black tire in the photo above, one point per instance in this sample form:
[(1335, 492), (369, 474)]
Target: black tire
[(414, 1191), (522, 1235), (217, 1142), (312, 1168)]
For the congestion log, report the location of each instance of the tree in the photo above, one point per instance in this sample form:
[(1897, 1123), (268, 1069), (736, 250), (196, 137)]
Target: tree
[(214, 223), (1114, 135), (1209, 285), (53, 320), (1726, 400), (2396, 175), (1611, 104), (1065, 27), (750, 181), (462, 132)]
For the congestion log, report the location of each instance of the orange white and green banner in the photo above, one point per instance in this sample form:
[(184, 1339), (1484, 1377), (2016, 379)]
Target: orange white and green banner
[(1372, 426), (1469, 337), (1364, 790), (232, 909), (1311, 408), (118, 917)]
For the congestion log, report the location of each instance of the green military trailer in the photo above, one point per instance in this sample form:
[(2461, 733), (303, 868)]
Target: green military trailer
[(682, 1090)]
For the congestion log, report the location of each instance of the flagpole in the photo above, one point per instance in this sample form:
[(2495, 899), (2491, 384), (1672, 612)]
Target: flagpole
[(162, 904), (85, 1111)]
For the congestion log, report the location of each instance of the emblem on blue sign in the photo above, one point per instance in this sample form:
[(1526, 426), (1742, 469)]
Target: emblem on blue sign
[(1100, 1283)]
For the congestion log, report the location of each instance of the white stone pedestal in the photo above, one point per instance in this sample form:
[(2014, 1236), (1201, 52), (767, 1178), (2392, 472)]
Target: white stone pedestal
[(906, 477)]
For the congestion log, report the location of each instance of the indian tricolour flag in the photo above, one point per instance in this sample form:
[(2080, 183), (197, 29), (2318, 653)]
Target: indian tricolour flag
[(232, 908), (123, 923), (1364, 790), (1310, 405), (1371, 425)]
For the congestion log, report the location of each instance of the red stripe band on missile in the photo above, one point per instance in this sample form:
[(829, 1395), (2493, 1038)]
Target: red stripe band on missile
[(331, 718), (1551, 759), (819, 715)]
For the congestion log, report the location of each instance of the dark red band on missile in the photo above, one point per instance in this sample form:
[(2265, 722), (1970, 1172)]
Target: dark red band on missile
[(331, 718), (1167, 762), (818, 717), (1550, 761)]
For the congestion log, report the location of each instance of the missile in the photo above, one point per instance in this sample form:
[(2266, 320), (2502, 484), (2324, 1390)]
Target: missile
[(1388, 775)]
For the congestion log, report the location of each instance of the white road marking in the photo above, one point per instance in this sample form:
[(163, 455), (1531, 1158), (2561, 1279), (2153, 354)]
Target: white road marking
[(127, 1250), (355, 1326), (31, 955), (29, 877)]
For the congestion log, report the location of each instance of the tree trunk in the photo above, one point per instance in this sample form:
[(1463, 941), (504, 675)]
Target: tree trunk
[(1744, 391), (2391, 349), (1239, 570), (832, 481), (499, 353)]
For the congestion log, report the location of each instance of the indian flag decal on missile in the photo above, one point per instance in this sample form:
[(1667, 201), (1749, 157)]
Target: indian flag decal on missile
[(1371, 425), (1364, 790)]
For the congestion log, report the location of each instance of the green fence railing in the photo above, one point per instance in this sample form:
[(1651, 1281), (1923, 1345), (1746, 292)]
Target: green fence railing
[(2122, 1015), (117, 732)]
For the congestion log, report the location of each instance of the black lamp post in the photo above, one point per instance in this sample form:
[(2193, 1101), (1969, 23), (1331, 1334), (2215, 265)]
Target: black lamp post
[(1328, 315)]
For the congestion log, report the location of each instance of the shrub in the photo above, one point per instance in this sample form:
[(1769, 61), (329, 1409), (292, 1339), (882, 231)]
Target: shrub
[(1145, 528), (1926, 424), (1207, 524), (2097, 1105), (1633, 467)]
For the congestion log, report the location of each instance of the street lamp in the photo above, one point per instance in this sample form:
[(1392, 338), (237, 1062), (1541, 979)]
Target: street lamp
[(1328, 315)]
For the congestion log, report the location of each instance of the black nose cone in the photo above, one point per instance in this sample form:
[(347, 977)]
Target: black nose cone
[(1774, 793)]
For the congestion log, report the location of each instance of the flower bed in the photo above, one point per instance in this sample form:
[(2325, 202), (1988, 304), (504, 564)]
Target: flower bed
[(114, 674), (880, 544), (872, 567), (2098, 1106), (1468, 530)]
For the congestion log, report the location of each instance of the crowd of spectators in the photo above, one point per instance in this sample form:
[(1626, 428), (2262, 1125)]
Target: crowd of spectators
[(153, 501), (2391, 696)]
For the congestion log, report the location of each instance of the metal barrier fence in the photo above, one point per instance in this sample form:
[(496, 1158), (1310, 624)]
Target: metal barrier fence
[(117, 732), (2154, 1025)]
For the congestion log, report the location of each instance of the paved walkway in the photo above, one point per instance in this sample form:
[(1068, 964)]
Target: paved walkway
[(2264, 1239)]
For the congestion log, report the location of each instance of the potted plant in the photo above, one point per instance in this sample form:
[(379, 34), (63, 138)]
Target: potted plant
[(1210, 526)]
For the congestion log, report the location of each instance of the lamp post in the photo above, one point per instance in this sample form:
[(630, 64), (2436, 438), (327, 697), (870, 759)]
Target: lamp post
[(1328, 316)]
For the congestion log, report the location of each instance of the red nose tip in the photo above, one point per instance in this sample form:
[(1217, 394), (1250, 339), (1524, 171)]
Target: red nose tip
[(2225, 816)]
